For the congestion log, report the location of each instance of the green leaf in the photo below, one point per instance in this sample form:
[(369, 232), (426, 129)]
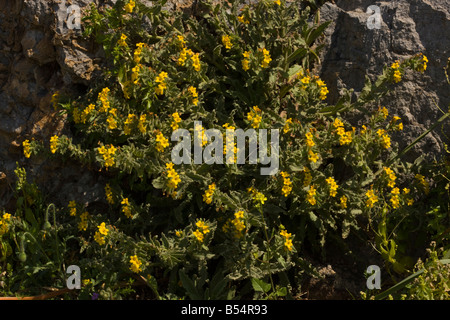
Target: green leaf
[(260, 286)]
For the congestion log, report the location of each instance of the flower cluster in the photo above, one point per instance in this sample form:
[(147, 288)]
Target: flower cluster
[(175, 121), (83, 224), (122, 41), (126, 208), (128, 123), (226, 40), (323, 89), (109, 194), (137, 54), (309, 139), (26, 148), (103, 97), (345, 137), (333, 186), (173, 176), (266, 58), (135, 264), (395, 200), (162, 142), (397, 76), (142, 124), (385, 139), (287, 239), (255, 117), (185, 53), (207, 196), (108, 155), (238, 223), (72, 208), (391, 177), (4, 223), (371, 198), (194, 95), (202, 229), (53, 144), (343, 203), (101, 234), (423, 63), (246, 61), (287, 184), (311, 196), (160, 80), (130, 6), (287, 125)]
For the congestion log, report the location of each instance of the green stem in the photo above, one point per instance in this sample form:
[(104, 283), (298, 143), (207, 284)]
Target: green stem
[(268, 249)]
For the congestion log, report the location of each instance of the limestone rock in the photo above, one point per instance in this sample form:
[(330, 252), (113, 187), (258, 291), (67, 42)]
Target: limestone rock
[(408, 27)]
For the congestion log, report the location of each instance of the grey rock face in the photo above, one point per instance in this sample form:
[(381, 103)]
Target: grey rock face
[(407, 28)]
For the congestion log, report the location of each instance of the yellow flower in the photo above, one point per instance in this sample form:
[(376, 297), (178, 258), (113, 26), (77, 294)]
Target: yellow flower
[(266, 58), (138, 52), (386, 141), (102, 229), (343, 202), (278, 2), (126, 208), (391, 177), (128, 122), (103, 97), (242, 19), (122, 41), (287, 184), (135, 264), (162, 142), (309, 139), (26, 148), (109, 194), (333, 186), (226, 40), (54, 99), (196, 62), (397, 76), (73, 208), (287, 124), (384, 112), (112, 123), (53, 144), (83, 224), (142, 123), (130, 6), (312, 157), (175, 121), (311, 195), (259, 198), (287, 239), (99, 238), (198, 235), (201, 225), (255, 116), (174, 178), (194, 95), (372, 198), (423, 63), (207, 196)]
